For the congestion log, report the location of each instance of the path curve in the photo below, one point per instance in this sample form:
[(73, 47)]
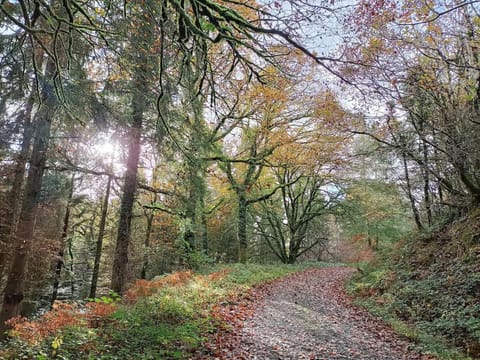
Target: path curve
[(307, 315)]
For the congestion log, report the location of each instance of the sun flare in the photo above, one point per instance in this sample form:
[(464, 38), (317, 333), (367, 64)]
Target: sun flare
[(105, 148)]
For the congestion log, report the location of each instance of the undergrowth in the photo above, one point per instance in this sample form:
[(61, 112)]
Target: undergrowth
[(428, 289), (164, 318)]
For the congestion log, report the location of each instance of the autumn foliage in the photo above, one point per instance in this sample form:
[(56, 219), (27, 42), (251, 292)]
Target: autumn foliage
[(62, 315), (143, 288)]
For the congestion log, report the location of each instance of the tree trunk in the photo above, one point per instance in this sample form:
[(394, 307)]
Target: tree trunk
[(120, 261), (242, 229), (143, 274), (189, 237), (15, 287), (99, 245), (7, 227), (195, 208), (291, 259), (204, 230), (60, 261), (72, 268), (426, 185), (201, 221), (415, 212), (471, 185)]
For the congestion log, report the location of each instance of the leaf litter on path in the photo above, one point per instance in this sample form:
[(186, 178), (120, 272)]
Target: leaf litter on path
[(306, 315)]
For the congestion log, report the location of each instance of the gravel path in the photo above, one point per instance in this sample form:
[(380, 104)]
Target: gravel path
[(308, 316)]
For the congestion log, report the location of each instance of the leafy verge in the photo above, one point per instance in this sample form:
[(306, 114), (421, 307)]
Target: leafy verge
[(168, 317), (429, 289)]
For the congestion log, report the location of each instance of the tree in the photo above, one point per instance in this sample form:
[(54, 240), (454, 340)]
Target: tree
[(259, 140), (284, 223), (305, 169), (374, 212), (138, 104), (423, 65), (17, 106), (48, 107), (9, 219), (100, 237), (64, 236), (14, 289)]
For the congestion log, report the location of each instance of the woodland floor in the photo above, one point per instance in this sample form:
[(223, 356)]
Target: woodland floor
[(306, 315)]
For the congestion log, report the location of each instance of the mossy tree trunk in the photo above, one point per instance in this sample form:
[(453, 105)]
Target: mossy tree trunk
[(242, 228), (99, 244), (9, 221), (15, 286), (120, 261), (61, 251)]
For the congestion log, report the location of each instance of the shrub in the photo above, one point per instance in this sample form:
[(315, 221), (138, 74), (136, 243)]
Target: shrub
[(34, 331)]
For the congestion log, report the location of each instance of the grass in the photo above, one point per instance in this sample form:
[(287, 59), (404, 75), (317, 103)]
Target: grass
[(166, 318)]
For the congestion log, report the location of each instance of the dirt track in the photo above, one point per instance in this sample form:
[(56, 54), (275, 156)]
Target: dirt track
[(308, 316)]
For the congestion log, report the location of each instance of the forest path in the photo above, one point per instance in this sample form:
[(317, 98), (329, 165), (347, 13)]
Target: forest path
[(307, 315)]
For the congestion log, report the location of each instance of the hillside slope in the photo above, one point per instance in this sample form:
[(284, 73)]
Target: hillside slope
[(429, 288)]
